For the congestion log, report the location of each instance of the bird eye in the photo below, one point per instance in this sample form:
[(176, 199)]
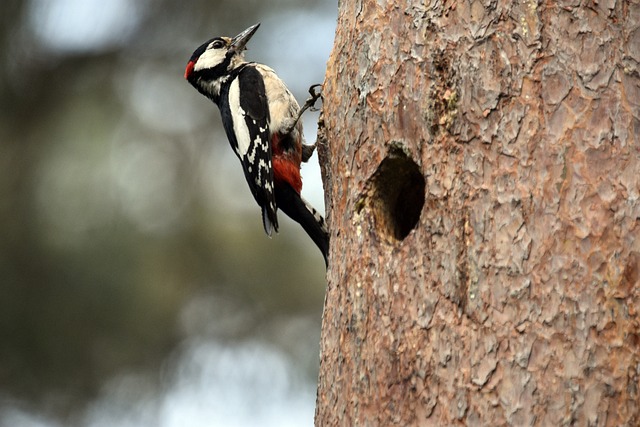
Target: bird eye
[(217, 44)]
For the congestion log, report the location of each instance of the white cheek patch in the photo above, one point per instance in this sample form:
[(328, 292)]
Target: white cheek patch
[(209, 59)]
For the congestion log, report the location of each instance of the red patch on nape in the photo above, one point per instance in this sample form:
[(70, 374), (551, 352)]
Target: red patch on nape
[(189, 70)]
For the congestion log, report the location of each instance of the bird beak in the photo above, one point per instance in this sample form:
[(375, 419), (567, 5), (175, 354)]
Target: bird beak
[(239, 42)]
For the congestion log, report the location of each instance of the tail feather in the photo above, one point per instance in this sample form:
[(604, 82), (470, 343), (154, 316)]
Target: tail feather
[(299, 210), (269, 221)]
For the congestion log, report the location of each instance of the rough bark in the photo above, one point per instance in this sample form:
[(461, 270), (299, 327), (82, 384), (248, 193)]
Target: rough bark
[(482, 166)]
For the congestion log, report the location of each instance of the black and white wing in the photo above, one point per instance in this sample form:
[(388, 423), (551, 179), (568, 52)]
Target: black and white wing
[(246, 121)]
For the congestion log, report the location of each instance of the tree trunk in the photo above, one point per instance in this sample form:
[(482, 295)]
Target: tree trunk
[(482, 169)]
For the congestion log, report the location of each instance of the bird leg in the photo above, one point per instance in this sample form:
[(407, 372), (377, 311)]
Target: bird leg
[(307, 150), (309, 103)]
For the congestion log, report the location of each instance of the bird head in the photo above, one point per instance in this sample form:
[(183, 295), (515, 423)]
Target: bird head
[(216, 58)]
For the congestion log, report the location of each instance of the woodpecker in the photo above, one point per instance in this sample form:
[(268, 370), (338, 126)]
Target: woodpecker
[(261, 119)]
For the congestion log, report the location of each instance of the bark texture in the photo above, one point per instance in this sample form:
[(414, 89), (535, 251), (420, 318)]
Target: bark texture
[(482, 167)]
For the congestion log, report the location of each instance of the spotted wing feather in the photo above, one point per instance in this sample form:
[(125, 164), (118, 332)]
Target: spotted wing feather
[(248, 133)]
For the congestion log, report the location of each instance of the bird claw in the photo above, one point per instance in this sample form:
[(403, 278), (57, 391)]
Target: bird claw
[(309, 103), (307, 152), (314, 96)]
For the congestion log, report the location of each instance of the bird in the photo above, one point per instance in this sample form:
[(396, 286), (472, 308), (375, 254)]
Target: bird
[(261, 119)]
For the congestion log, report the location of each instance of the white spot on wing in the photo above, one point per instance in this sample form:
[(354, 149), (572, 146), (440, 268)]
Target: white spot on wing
[(239, 125)]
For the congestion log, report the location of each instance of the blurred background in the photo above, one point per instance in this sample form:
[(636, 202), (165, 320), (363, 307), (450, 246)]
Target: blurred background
[(137, 287)]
